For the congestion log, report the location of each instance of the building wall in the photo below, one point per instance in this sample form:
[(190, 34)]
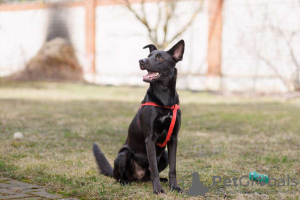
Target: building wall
[(22, 34), (255, 53), (120, 38)]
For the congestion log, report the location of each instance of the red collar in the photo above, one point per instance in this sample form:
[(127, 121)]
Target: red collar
[(174, 108)]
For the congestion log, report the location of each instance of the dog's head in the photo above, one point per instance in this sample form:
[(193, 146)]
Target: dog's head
[(161, 64)]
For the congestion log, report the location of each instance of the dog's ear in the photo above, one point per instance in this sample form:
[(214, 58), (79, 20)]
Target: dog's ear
[(151, 47), (177, 51)]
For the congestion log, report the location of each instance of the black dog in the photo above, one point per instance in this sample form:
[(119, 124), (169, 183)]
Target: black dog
[(155, 125)]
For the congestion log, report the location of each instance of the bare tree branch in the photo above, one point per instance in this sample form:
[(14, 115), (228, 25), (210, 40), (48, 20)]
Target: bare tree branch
[(287, 37), (141, 18), (158, 17), (170, 6), (186, 26), (144, 17), (169, 9), (292, 53), (155, 30), (288, 40), (297, 65), (284, 80)]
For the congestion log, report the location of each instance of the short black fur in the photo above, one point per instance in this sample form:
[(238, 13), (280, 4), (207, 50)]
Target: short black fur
[(140, 159)]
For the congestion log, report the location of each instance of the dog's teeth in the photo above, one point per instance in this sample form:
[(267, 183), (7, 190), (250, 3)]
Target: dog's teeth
[(148, 77), (156, 74)]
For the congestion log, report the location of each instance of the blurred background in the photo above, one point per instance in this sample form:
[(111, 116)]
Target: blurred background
[(68, 76), (231, 45)]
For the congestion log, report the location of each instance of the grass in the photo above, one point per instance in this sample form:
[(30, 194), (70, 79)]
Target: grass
[(220, 136)]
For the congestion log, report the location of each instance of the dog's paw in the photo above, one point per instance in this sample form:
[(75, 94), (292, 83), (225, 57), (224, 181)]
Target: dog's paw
[(163, 179), (177, 189), (158, 191)]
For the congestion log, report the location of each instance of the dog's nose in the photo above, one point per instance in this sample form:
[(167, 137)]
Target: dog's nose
[(142, 61)]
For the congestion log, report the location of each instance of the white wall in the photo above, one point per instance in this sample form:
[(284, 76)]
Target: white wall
[(251, 39), (120, 38), (22, 34)]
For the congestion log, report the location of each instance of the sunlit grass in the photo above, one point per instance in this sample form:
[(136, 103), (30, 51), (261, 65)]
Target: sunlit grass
[(224, 136)]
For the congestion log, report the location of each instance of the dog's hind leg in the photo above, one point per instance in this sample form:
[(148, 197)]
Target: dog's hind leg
[(162, 164), (122, 168)]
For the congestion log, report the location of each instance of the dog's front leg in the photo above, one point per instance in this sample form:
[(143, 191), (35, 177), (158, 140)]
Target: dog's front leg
[(172, 148), (151, 154)]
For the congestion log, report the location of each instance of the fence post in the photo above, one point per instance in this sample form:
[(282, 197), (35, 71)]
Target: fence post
[(90, 34), (214, 51)]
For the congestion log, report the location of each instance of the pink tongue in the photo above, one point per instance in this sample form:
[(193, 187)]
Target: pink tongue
[(151, 75)]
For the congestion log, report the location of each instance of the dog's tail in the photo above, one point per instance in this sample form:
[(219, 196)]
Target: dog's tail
[(103, 164)]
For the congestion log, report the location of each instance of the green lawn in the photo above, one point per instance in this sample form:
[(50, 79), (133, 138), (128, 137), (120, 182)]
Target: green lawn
[(220, 136)]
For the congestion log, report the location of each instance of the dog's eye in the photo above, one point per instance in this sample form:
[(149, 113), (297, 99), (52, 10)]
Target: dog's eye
[(159, 57)]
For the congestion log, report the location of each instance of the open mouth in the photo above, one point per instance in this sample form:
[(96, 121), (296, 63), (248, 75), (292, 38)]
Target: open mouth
[(151, 76)]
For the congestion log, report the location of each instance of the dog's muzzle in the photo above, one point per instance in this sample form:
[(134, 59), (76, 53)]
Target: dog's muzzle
[(142, 63), (152, 75)]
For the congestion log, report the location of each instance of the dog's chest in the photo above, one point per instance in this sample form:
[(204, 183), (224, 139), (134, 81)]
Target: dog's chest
[(165, 117), (162, 125)]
